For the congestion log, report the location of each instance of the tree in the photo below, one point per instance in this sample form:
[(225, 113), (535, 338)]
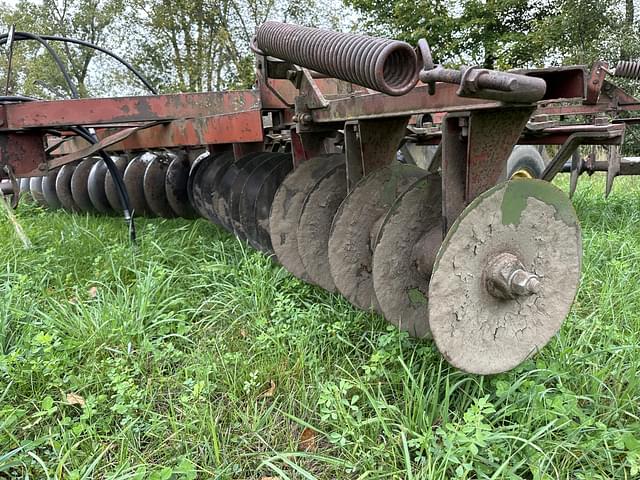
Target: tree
[(510, 33), (190, 45), (94, 21)]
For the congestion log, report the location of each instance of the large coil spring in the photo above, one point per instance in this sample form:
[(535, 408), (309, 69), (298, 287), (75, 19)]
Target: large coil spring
[(628, 69), (388, 66)]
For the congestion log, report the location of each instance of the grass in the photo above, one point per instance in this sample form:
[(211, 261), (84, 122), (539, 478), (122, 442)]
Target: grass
[(192, 356)]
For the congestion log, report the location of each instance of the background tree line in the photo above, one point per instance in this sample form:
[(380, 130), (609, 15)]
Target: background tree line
[(197, 45)]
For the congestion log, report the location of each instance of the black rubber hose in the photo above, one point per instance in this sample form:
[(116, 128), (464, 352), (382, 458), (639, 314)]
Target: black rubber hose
[(88, 136), (117, 178), (54, 38)]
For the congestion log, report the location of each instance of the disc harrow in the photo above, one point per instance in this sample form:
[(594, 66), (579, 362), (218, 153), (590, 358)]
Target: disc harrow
[(410, 199)]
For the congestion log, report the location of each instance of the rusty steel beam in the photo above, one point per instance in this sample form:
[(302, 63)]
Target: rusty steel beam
[(378, 105), (100, 111), (243, 127)]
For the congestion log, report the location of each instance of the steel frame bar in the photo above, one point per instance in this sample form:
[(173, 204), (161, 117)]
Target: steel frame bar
[(100, 111)]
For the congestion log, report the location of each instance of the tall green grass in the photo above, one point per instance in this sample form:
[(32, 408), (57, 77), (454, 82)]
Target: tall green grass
[(197, 357)]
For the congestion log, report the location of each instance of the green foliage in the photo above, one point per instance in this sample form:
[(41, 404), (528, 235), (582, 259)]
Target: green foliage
[(510, 33), (34, 71), (175, 351)]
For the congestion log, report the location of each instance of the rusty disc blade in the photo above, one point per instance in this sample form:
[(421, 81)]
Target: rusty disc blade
[(231, 185), (477, 330), (405, 249), (134, 181), (95, 187), (287, 205), (63, 188), (355, 226), (176, 187), (154, 185), (35, 186), (257, 195), (314, 224), (79, 184), (110, 189), (49, 190), (204, 180)]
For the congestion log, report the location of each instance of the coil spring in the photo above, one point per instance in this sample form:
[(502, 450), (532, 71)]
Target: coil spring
[(628, 69), (388, 66)]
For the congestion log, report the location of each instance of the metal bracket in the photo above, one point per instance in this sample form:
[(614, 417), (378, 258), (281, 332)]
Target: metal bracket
[(371, 144), (475, 149)]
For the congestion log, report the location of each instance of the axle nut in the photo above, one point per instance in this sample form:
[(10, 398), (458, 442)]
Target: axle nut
[(505, 277)]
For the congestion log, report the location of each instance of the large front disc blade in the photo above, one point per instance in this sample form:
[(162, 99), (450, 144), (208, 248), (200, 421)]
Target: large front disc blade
[(409, 237), (477, 331), (287, 205), (356, 224), (314, 225)]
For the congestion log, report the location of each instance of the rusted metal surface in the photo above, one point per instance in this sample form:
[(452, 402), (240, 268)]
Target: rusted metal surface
[(595, 82), (418, 100), (492, 136), (562, 82), (489, 84), (371, 145), (614, 134), (82, 152), (24, 152), (388, 66), (219, 129), (97, 111), (475, 149), (455, 134)]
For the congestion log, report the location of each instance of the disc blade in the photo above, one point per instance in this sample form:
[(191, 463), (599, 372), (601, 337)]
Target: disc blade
[(63, 188), (110, 189), (287, 205), (408, 239), (204, 181), (154, 185), (79, 184), (176, 187), (227, 198), (49, 190), (134, 181), (256, 200), (95, 187), (35, 186), (314, 225), (252, 169), (475, 330), (25, 192), (356, 223)]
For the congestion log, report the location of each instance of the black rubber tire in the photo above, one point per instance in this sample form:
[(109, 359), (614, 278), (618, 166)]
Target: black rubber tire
[(527, 158)]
